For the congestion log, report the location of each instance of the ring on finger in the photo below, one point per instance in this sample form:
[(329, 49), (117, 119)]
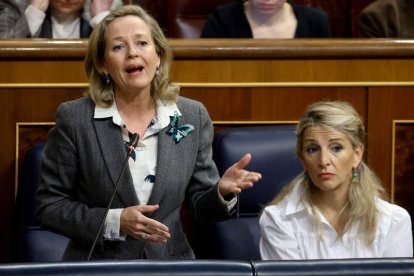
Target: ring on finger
[(144, 236)]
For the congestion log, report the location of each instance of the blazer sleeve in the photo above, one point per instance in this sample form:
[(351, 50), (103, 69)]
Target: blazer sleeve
[(202, 191), (13, 23)]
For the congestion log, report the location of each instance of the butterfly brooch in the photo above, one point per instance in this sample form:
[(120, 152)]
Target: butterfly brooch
[(178, 132)]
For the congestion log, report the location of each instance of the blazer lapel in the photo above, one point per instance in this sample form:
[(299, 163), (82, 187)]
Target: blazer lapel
[(164, 164), (114, 153)]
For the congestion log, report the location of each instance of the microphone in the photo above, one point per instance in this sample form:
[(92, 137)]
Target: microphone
[(133, 142)]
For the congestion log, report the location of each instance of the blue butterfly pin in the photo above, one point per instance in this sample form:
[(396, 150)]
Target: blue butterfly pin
[(178, 132)]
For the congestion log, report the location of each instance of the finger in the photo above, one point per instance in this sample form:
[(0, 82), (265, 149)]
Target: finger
[(147, 208), (158, 232), (157, 228), (243, 162), (151, 238), (253, 176)]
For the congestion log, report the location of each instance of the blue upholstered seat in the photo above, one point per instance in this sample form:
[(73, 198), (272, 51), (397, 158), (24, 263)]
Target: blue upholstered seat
[(273, 155), (35, 244)]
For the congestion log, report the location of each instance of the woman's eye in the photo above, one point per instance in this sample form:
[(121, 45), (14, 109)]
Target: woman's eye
[(117, 47), (142, 43), (337, 148), (311, 149)]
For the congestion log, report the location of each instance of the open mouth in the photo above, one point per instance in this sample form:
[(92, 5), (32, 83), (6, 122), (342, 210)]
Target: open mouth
[(134, 69)]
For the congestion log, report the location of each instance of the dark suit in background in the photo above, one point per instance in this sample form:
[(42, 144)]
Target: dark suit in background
[(230, 21), (388, 19)]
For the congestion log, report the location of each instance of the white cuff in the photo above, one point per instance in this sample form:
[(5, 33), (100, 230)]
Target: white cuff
[(112, 226), (34, 18), (230, 204)]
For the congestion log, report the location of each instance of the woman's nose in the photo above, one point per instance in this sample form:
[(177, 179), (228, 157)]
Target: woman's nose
[(133, 53), (324, 158)]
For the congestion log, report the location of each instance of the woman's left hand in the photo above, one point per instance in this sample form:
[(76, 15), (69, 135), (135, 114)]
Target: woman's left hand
[(236, 178)]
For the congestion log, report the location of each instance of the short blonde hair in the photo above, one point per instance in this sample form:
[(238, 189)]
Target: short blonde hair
[(99, 90)]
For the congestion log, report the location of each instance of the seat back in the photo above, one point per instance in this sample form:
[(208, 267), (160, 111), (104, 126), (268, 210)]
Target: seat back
[(273, 155), (133, 268), (186, 18), (35, 244)]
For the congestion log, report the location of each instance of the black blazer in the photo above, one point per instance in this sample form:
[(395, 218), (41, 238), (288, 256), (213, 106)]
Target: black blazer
[(229, 21)]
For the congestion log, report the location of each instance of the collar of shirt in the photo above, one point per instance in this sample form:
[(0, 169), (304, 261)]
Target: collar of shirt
[(161, 120), (295, 203)]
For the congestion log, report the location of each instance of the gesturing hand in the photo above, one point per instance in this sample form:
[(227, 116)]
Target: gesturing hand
[(135, 224), (100, 6), (235, 179), (40, 4)]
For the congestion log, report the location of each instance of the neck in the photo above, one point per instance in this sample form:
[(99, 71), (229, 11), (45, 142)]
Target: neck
[(62, 18), (261, 18), (135, 105), (331, 205)]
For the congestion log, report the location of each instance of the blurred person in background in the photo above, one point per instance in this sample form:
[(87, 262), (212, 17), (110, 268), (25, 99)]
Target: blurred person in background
[(52, 18), (12, 22), (387, 19), (266, 19)]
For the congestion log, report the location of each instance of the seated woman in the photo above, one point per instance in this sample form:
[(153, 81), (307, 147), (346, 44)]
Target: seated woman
[(266, 19), (52, 18), (335, 208)]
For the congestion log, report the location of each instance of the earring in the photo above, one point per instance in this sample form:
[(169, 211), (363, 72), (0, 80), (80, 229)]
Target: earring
[(305, 177), (157, 71), (107, 78), (355, 175)]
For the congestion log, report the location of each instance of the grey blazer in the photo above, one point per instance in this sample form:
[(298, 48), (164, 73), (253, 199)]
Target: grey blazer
[(82, 160), (13, 23)]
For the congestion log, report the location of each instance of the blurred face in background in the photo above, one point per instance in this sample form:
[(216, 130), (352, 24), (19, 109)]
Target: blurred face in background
[(63, 9), (266, 6)]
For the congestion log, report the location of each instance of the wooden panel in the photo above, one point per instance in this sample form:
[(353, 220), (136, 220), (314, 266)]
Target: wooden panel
[(386, 104), (403, 154), (270, 103)]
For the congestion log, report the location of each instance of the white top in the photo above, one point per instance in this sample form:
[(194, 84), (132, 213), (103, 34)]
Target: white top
[(287, 233), (65, 29)]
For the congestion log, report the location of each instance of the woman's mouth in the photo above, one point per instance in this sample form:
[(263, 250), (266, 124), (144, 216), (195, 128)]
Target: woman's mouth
[(326, 176), (134, 69)]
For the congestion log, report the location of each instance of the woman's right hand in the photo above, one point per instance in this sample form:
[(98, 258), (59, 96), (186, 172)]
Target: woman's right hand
[(135, 224), (40, 4)]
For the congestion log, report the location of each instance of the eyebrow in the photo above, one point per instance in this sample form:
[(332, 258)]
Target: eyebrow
[(135, 36), (330, 140)]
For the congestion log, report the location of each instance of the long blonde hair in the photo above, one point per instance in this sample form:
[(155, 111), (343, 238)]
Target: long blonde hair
[(365, 188), (100, 90)]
